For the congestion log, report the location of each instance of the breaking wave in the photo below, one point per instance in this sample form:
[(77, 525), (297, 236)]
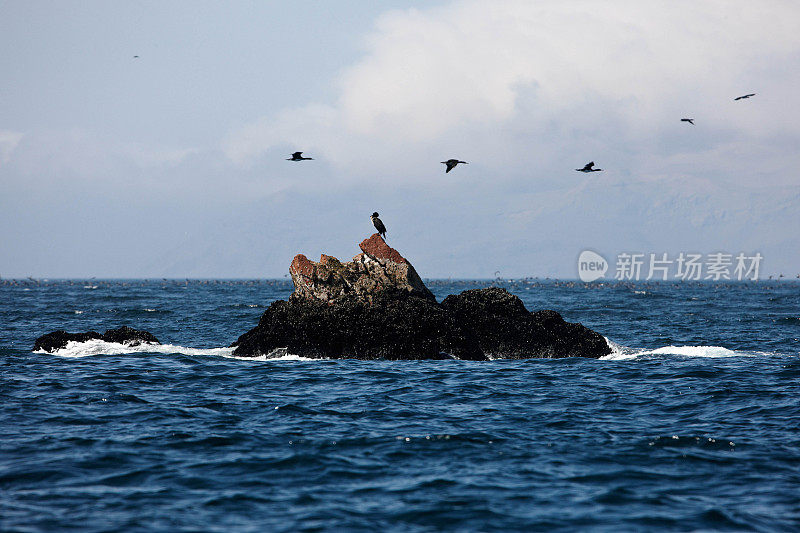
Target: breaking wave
[(620, 352), (94, 347), (99, 347)]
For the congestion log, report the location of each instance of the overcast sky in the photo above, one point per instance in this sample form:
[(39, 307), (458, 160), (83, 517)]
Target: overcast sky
[(173, 164)]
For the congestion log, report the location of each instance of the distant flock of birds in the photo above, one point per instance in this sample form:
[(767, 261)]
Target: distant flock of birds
[(450, 164)]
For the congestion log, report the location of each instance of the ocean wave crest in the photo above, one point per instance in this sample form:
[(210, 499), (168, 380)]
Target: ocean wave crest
[(95, 347), (101, 347), (620, 352)]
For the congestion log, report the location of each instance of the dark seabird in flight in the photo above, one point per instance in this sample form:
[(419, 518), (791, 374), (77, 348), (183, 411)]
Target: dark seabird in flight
[(136, 57), (451, 164), (689, 120), (745, 96), (298, 156), (378, 224), (588, 168)]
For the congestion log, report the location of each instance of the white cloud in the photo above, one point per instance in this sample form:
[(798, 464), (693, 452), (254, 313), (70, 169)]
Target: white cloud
[(306, 128), (8, 142), (87, 155), (532, 79), (525, 91), (149, 156)]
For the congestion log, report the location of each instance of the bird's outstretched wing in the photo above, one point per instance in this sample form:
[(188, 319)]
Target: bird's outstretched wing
[(450, 166)]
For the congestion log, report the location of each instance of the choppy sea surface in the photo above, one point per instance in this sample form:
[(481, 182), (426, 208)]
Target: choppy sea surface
[(692, 424)]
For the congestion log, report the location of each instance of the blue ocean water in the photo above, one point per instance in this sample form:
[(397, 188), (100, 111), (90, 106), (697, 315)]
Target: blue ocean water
[(692, 424)]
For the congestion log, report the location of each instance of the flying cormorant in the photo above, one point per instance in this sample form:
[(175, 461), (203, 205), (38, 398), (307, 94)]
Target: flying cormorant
[(378, 225), (298, 156), (588, 168), (689, 120), (745, 96), (451, 164)]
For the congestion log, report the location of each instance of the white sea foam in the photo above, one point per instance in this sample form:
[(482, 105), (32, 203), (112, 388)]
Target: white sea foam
[(697, 351), (277, 355), (619, 352), (100, 347), (75, 349)]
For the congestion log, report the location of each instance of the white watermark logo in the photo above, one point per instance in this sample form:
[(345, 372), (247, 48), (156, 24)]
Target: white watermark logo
[(591, 266), (685, 266)]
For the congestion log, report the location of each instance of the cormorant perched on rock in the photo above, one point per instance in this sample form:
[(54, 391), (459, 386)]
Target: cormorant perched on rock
[(588, 168), (689, 120), (451, 164), (745, 96), (378, 224), (298, 156)]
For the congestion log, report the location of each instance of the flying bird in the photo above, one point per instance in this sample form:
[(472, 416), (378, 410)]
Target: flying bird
[(588, 168), (451, 164), (378, 224), (745, 96), (136, 57), (298, 156), (689, 120)]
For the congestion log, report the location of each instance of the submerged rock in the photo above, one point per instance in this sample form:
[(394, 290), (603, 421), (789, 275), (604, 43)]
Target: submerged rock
[(377, 307), (57, 340)]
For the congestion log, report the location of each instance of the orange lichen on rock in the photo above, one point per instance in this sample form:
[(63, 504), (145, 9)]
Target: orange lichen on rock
[(379, 268)]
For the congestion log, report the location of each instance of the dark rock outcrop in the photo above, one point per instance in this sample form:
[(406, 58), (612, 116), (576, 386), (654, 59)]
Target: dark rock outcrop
[(394, 326), (505, 329), (124, 335), (377, 307)]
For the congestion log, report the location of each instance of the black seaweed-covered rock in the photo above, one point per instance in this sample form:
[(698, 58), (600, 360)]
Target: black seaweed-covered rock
[(129, 336), (477, 324), (396, 325), (58, 339), (124, 335), (505, 329)]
